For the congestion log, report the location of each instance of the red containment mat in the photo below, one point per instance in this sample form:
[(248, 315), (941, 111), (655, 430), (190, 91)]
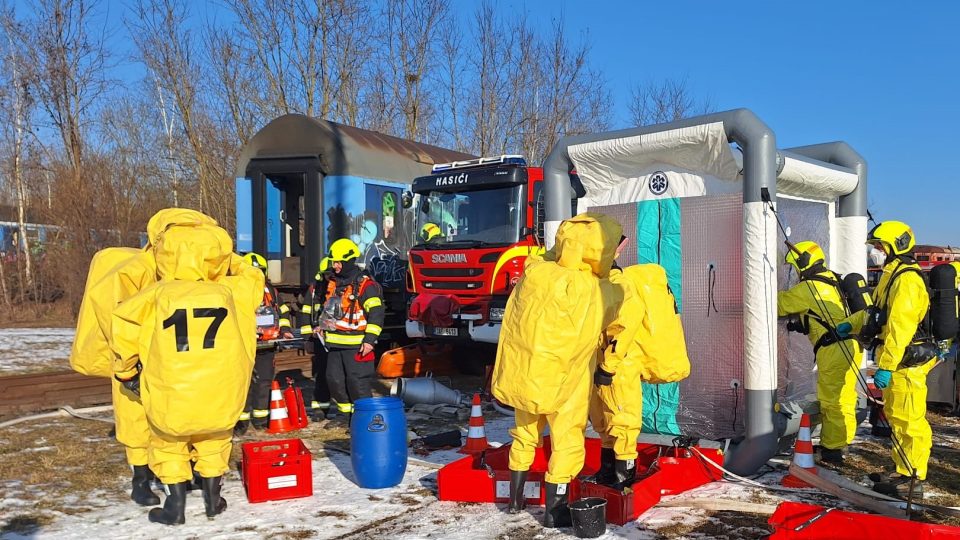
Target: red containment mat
[(485, 477), (277, 470), (661, 470), (811, 522)]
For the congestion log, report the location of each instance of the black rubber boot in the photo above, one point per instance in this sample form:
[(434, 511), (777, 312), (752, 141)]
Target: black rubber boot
[(240, 428), (518, 502), (625, 472), (557, 511), (172, 511), (141, 493), (900, 486), (831, 455), (212, 501), (605, 475), (883, 476)]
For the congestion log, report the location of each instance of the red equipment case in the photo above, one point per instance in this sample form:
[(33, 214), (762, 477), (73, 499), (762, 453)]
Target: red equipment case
[(277, 470)]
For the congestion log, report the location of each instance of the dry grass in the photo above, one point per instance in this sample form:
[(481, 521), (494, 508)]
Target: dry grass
[(731, 525), (44, 463), (524, 532), (57, 314)]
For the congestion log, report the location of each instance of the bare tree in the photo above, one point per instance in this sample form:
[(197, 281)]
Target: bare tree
[(166, 46), (666, 101), (168, 129), (412, 42), (231, 62), (16, 113), (452, 74), (526, 92), (70, 64)]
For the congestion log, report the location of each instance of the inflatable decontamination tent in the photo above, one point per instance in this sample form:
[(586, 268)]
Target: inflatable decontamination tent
[(693, 196)]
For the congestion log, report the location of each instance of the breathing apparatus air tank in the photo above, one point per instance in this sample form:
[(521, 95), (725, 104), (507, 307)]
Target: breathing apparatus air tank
[(944, 314), (855, 291)]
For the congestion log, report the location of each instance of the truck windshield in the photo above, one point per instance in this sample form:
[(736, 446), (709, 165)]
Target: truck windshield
[(490, 216)]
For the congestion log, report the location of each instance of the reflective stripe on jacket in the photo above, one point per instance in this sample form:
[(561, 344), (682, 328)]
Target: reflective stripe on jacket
[(363, 313)]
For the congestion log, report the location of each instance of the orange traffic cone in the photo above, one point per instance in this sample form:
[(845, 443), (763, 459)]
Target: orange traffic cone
[(279, 419), (296, 408), (476, 437), (802, 454)]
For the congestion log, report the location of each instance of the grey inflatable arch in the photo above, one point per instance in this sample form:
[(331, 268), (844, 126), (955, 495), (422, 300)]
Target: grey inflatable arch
[(761, 163)]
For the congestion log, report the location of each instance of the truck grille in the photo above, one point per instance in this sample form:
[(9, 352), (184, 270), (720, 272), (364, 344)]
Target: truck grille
[(451, 272), (453, 285)]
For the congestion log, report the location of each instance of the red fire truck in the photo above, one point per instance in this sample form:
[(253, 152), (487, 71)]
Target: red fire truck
[(477, 224)]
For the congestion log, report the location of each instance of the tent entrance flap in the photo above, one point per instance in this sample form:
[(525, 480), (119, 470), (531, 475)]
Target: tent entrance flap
[(808, 220), (698, 242)]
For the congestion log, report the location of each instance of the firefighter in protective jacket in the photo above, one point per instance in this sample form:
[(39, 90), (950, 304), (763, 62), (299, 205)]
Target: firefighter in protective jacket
[(273, 321), (349, 326), (186, 345), (115, 275), (311, 307)]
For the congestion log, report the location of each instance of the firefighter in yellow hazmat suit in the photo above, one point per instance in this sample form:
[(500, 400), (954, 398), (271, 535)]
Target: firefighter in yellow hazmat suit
[(186, 344), (547, 353), (817, 303), (902, 300), (117, 274), (616, 406)]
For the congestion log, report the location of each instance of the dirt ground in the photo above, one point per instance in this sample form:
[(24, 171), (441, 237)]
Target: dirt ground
[(61, 465)]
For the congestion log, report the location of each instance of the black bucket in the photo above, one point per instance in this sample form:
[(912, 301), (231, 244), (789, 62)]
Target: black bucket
[(589, 517)]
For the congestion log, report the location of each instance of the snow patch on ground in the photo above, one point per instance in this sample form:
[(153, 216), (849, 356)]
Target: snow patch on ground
[(339, 509), (29, 350)]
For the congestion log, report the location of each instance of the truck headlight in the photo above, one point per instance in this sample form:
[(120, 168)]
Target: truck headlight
[(496, 313)]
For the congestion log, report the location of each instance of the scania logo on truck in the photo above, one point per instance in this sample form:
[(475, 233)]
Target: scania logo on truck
[(440, 258), (452, 179)]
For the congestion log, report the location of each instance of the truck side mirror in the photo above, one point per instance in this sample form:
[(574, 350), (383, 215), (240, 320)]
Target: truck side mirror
[(406, 199)]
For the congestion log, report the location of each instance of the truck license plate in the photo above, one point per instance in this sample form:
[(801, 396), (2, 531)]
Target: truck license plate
[(445, 332)]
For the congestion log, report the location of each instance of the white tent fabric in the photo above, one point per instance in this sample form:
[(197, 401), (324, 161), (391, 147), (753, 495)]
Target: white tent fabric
[(809, 180), (699, 161), (849, 234)]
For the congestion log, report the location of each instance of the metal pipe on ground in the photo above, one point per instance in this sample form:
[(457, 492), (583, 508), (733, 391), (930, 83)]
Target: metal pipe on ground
[(427, 391)]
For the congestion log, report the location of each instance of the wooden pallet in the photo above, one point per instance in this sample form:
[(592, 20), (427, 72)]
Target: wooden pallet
[(39, 392)]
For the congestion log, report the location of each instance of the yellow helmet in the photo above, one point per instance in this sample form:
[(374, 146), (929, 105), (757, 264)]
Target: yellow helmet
[(896, 235), (429, 231), (343, 249), (804, 255), (323, 267), (256, 260)]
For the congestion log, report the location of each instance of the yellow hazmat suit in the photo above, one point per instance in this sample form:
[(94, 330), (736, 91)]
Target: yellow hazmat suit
[(115, 275), (616, 410), (549, 341), (817, 301), (905, 399), (194, 333)]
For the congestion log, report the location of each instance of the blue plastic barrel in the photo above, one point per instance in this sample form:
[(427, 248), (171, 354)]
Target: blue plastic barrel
[(378, 442)]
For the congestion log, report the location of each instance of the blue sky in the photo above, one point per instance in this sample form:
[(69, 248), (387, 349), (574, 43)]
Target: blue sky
[(882, 76)]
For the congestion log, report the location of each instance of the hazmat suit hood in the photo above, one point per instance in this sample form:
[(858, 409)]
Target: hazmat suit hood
[(168, 217), (200, 252), (586, 241)]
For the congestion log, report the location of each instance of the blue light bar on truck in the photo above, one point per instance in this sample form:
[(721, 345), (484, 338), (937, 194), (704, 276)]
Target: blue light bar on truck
[(479, 162)]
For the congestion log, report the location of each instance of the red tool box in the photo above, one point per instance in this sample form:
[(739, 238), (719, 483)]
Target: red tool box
[(277, 470)]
